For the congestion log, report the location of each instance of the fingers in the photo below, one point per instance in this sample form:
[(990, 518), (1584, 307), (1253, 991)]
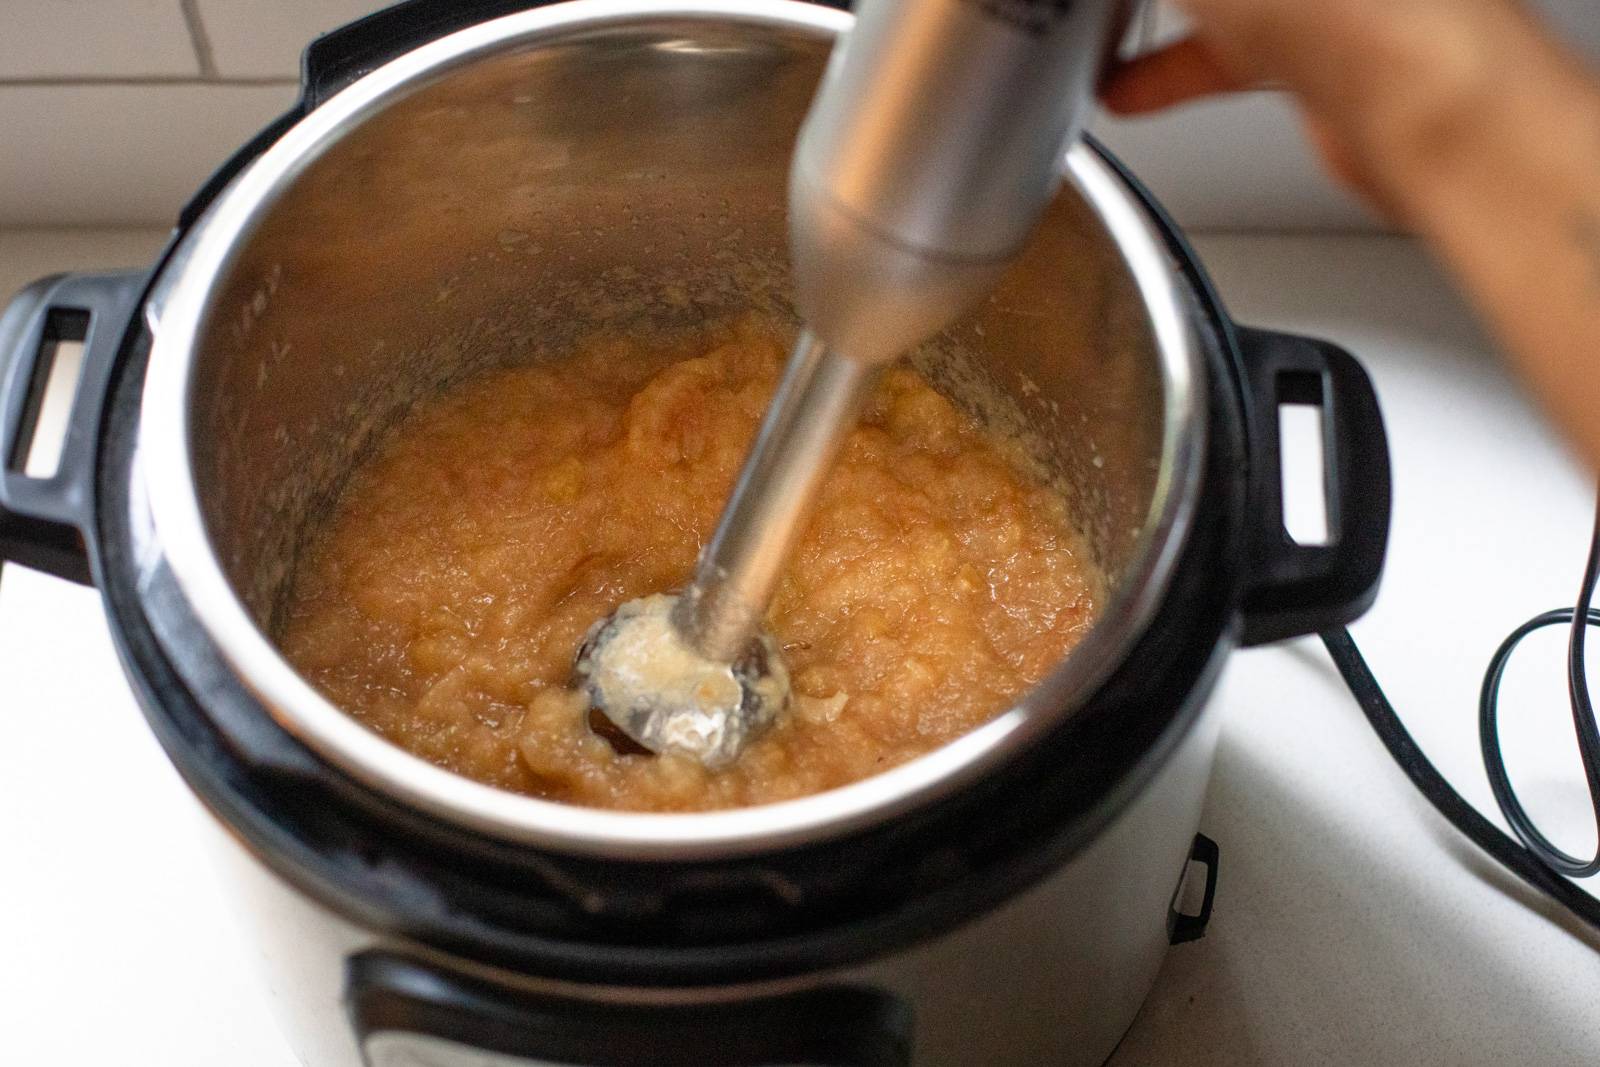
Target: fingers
[(1172, 75), (1352, 171), (1189, 70)]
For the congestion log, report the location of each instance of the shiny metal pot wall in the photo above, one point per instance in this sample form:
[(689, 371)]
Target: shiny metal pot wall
[(482, 199)]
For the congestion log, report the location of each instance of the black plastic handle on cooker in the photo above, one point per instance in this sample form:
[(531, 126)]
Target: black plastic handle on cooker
[(46, 521), (338, 58), (1294, 589), (405, 1011)]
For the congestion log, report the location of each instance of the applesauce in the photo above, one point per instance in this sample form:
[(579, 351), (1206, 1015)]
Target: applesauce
[(442, 603)]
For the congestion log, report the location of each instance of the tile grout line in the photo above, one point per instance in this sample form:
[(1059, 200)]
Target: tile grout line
[(198, 38), (139, 80)]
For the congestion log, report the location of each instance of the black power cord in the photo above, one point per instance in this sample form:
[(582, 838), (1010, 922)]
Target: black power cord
[(1535, 860), (1579, 618)]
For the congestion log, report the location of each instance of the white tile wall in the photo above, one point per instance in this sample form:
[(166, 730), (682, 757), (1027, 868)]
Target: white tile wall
[(131, 151), (252, 38), (1234, 163), (120, 154), (29, 254), (1578, 21), (94, 38)]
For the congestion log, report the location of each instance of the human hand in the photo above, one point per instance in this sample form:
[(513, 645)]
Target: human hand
[(1381, 84), (1462, 121)]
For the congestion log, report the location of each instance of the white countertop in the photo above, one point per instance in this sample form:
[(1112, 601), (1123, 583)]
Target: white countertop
[(1352, 925)]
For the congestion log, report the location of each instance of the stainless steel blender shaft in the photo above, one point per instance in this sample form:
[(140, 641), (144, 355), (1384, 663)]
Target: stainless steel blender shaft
[(812, 412), (934, 143)]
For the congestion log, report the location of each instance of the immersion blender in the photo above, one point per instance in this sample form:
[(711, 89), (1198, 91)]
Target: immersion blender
[(933, 145)]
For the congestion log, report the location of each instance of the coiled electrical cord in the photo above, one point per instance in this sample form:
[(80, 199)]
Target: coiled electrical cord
[(1579, 619), (1535, 860)]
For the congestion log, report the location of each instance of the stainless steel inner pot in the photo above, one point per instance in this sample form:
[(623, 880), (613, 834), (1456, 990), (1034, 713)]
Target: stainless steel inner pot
[(487, 197)]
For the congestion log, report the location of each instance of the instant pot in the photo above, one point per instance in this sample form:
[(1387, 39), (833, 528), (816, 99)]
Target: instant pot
[(463, 185)]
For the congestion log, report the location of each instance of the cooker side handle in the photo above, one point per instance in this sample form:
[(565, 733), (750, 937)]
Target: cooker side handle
[(46, 520), (340, 57), (1294, 589), (405, 1011)]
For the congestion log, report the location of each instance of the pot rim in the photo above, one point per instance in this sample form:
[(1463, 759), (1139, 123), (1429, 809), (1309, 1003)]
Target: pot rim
[(177, 312)]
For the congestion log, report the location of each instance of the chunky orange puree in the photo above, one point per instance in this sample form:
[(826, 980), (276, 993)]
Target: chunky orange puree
[(443, 602)]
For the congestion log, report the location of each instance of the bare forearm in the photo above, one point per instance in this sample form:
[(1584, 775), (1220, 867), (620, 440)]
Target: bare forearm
[(1513, 207), (1466, 123)]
